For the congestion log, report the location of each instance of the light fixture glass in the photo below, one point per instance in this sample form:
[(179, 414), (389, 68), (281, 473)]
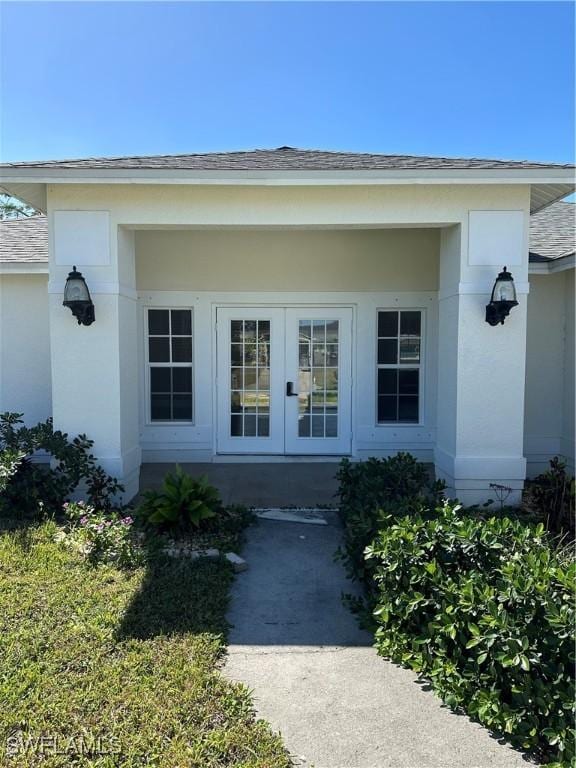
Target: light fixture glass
[(502, 300)]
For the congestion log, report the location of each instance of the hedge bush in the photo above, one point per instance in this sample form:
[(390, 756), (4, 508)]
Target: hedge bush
[(30, 489), (484, 609), (398, 483)]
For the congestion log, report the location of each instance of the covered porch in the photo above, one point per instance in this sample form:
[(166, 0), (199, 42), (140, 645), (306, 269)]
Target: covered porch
[(368, 308)]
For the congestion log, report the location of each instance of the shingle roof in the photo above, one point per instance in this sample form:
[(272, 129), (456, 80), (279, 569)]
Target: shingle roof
[(286, 159), (553, 232), (24, 240)]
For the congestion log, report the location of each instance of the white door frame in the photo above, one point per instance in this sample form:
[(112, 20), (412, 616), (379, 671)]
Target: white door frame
[(283, 439)]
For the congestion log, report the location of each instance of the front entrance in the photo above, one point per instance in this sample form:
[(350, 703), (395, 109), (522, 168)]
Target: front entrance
[(284, 380)]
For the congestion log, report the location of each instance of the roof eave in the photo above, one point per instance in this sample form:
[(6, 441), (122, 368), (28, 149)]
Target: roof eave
[(551, 266), (547, 175), (23, 267)]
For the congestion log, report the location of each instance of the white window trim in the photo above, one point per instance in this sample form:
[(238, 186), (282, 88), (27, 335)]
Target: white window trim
[(421, 367), (148, 421)]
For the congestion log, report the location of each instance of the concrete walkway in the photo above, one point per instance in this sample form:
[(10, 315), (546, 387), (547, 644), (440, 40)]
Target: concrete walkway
[(315, 676)]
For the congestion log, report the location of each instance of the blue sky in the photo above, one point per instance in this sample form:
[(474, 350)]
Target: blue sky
[(488, 79)]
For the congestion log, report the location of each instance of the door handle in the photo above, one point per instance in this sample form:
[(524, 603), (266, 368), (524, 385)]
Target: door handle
[(290, 389)]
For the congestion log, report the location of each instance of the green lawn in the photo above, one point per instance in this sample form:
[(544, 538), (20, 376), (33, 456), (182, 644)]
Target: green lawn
[(126, 663)]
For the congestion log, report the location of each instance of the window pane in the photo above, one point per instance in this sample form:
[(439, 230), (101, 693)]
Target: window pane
[(264, 331), (408, 382), (263, 426), (332, 332), (182, 379), (387, 381), (249, 378), (319, 331), (182, 350), (160, 380), (249, 426), (409, 349), (159, 350), (331, 378), (236, 426), (317, 426), (387, 323), (236, 378), (181, 322), (331, 426), (182, 407), (236, 354), (408, 408), (304, 426), (250, 331), (160, 407), (236, 331), (387, 408), (250, 354), (387, 351), (410, 323), (236, 402), (158, 322)]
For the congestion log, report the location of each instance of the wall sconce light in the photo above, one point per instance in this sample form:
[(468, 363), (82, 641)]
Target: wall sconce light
[(502, 300), (77, 297)]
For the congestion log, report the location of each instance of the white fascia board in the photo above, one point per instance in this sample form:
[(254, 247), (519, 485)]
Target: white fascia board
[(555, 265), (23, 267), (284, 178)]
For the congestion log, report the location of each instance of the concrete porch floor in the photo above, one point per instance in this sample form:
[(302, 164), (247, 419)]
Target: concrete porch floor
[(299, 484)]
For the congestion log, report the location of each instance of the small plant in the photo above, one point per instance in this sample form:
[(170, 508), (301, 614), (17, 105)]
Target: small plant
[(182, 503), (552, 495), (103, 537)]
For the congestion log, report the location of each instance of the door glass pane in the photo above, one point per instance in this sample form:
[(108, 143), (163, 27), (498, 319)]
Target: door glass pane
[(249, 378), (318, 358)]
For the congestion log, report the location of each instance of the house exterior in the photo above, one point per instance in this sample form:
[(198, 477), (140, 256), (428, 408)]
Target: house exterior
[(292, 305)]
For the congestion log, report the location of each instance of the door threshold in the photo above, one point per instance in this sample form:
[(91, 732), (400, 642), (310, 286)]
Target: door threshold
[(274, 458)]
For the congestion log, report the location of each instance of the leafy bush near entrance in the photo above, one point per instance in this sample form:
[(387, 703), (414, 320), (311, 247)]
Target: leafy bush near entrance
[(399, 484), (34, 490), (483, 609)]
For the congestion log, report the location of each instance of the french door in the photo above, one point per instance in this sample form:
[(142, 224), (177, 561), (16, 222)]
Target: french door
[(284, 380)]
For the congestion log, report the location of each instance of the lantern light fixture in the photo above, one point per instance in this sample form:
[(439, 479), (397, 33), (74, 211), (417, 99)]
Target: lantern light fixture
[(77, 298), (502, 300)]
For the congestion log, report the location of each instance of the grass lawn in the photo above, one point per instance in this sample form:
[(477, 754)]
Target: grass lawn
[(121, 662)]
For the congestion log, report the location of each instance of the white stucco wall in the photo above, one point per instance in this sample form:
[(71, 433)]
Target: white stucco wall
[(549, 413), (25, 385), (568, 437)]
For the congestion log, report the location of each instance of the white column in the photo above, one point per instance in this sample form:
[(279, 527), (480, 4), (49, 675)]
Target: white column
[(481, 368), (95, 368)]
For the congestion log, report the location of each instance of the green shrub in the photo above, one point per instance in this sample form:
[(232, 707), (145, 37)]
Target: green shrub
[(484, 609), (398, 483), (32, 489), (552, 495), (183, 502)]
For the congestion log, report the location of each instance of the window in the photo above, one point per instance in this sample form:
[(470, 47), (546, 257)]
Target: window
[(399, 340), (170, 364)]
